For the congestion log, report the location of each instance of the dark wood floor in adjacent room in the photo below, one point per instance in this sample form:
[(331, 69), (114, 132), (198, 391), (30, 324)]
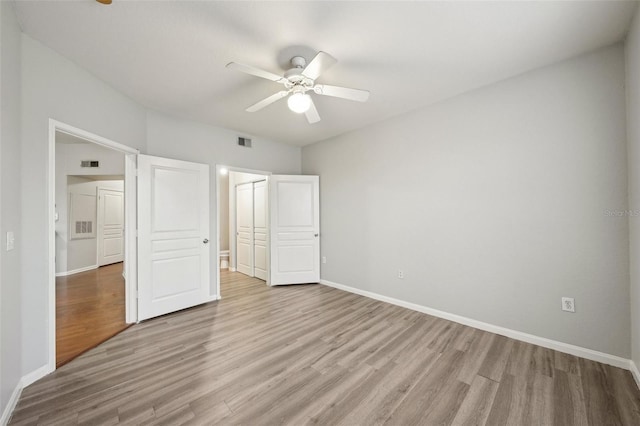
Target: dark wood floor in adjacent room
[(90, 308), (316, 355)]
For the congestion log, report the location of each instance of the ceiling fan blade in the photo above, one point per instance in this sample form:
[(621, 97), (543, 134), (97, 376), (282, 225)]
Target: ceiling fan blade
[(248, 69), (342, 92), (267, 101), (312, 113), (322, 62)]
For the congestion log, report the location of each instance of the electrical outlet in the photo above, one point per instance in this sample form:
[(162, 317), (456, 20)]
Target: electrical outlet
[(324, 259), (400, 274), (568, 304)]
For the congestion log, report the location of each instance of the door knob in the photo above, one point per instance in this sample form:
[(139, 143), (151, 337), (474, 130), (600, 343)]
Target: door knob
[(315, 235), (205, 241)]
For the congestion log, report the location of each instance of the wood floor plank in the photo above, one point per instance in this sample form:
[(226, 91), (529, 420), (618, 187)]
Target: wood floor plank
[(316, 355), (602, 408), (568, 399), (416, 405), (90, 308), (477, 403)]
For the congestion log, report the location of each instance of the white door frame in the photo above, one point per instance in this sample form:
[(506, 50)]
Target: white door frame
[(217, 252), (130, 251)]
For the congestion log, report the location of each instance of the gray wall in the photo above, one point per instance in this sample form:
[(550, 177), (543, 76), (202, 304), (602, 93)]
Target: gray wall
[(10, 213), (80, 253), (494, 204), (68, 157), (201, 143), (633, 135), (54, 87)]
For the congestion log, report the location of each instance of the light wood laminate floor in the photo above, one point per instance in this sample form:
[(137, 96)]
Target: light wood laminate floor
[(89, 310), (311, 354)]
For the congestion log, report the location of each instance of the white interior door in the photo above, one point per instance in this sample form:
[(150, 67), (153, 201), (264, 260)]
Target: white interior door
[(260, 229), (173, 235), (110, 226), (294, 204), (244, 228)]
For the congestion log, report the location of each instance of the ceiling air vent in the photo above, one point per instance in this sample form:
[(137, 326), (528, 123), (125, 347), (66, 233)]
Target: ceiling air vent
[(89, 163), (246, 142)]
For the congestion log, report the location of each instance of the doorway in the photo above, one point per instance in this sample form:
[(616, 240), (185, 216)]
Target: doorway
[(89, 231), (88, 303), (242, 232)]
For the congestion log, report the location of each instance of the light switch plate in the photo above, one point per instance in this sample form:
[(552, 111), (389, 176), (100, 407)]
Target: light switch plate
[(10, 241)]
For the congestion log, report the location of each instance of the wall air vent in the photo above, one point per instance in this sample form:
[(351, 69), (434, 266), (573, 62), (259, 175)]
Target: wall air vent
[(84, 227), (246, 142), (89, 163)]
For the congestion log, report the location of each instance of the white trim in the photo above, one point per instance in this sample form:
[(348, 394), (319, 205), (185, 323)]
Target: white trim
[(25, 381), (634, 372), (11, 404), (34, 376), (602, 357), (91, 137), (130, 270), (76, 271), (224, 253), (130, 257)]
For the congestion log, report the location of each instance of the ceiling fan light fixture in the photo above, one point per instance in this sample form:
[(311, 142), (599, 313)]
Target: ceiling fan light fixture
[(299, 102)]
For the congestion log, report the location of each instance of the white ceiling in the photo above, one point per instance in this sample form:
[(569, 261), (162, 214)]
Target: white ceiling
[(171, 55)]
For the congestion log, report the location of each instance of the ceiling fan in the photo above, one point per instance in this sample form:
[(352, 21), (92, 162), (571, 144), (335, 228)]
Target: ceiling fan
[(299, 80)]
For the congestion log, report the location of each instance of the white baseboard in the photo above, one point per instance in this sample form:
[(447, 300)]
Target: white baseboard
[(75, 271), (11, 405), (634, 372), (35, 375), (579, 351), (15, 396)]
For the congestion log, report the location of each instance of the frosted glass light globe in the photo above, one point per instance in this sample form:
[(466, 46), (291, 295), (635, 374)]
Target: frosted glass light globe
[(299, 102)]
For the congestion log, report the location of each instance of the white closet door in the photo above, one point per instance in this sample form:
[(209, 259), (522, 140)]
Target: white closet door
[(173, 235), (294, 205), (110, 226), (260, 229), (244, 228)]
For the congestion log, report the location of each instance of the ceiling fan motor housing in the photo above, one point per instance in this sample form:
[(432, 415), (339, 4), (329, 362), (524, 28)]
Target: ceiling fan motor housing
[(294, 75), (298, 62)]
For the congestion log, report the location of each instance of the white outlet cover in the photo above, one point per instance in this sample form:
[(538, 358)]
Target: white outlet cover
[(568, 304)]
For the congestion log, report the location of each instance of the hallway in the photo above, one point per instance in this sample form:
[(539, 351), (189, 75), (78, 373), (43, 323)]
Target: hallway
[(90, 308)]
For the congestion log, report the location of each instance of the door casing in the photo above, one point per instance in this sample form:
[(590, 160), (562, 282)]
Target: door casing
[(130, 256)]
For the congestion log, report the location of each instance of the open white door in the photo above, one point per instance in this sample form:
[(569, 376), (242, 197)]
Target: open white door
[(294, 205), (173, 235), (110, 226), (244, 228)]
